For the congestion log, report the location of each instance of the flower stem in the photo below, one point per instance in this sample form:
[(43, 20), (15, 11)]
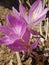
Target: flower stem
[(18, 58), (46, 30)]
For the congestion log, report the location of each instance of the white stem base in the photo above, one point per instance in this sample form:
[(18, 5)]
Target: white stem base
[(41, 28), (18, 58), (46, 30)]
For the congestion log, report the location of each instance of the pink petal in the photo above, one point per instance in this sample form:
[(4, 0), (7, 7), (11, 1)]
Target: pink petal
[(34, 45), (6, 40), (26, 36), (18, 25), (35, 11), (23, 12), (34, 5), (22, 9), (33, 32), (18, 45), (21, 44), (6, 30), (40, 18), (15, 12)]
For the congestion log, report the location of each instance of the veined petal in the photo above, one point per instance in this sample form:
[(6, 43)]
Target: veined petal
[(26, 36), (34, 13), (21, 44), (11, 20), (23, 12), (34, 5), (15, 12), (34, 45), (18, 25), (33, 32), (6, 40), (18, 45), (22, 9), (40, 18), (6, 30), (43, 12)]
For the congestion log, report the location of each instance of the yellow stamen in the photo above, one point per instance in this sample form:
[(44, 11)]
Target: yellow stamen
[(26, 13), (37, 11)]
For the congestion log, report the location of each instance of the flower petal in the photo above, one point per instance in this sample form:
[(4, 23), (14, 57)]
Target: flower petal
[(23, 12), (11, 20), (34, 45), (34, 13), (22, 9), (15, 12), (26, 36), (34, 5), (21, 44), (40, 18), (18, 25), (18, 45), (6, 40), (6, 30), (33, 32)]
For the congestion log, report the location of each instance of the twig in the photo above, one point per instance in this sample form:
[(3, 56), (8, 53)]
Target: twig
[(46, 30), (44, 2), (18, 58), (28, 3), (0, 24), (19, 1), (10, 63), (41, 28), (39, 36)]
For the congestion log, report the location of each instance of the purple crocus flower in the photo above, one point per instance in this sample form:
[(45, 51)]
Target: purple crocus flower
[(35, 14), (14, 30), (17, 32), (17, 35)]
